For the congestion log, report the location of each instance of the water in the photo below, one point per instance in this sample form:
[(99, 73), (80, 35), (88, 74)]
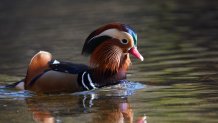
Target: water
[(177, 82)]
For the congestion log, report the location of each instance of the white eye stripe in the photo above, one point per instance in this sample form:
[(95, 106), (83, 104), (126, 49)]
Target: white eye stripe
[(114, 33), (125, 35), (110, 32)]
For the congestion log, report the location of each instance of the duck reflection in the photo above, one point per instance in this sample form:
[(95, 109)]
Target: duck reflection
[(88, 107)]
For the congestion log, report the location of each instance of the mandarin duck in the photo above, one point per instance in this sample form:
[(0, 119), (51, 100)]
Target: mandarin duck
[(108, 47)]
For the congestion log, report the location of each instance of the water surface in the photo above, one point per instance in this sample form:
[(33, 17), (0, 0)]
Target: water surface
[(177, 82)]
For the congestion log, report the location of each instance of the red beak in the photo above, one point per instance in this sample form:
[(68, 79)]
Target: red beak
[(136, 53)]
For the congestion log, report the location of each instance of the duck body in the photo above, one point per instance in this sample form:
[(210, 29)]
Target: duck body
[(65, 77), (109, 47)]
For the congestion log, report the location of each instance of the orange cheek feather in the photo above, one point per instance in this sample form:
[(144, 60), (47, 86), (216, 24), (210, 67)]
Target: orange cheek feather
[(109, 57)]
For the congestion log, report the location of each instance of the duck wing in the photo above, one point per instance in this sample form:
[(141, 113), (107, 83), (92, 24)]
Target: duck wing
[(38, 64)]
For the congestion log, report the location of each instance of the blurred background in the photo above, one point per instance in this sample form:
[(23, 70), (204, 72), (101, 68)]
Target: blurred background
[(184, 30), (171, 28), (178, 39)]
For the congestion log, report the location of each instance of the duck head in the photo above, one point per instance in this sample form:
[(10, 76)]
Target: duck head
[(109, 47)]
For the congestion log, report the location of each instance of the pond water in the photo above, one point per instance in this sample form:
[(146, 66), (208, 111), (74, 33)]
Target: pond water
[(177, 81)]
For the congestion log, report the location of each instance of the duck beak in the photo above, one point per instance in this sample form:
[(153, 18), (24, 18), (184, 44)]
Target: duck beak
[(136, 53)]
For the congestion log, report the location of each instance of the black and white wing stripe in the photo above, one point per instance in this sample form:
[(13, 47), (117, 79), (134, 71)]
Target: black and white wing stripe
[(86, 82)]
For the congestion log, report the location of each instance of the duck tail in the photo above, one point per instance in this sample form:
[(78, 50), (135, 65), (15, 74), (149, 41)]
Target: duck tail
[(17, 85)]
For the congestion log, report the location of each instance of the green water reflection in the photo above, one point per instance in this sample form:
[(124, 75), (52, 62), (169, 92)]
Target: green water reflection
[(178, 40)]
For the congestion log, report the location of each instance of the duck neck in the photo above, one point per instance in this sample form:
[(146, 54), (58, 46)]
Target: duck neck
[(105, 76)]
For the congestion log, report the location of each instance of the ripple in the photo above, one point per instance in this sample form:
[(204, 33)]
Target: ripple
[(13, 94), (124, 89)]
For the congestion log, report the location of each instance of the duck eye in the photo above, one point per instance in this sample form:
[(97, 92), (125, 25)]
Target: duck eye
[(124, 41)]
